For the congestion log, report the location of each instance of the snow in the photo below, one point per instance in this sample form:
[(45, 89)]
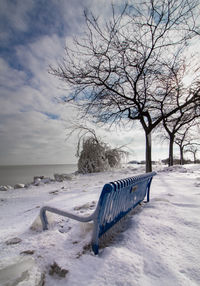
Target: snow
[(157, 244)]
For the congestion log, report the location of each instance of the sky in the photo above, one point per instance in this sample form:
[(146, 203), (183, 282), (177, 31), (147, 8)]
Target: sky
[(33, 123)]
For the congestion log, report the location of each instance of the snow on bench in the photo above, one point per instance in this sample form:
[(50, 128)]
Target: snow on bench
[(116, 200)]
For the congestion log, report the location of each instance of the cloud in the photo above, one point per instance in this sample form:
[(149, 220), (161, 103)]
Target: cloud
[(32, 122), (18, 10), (13, 15), (10, 78), (33, 138)]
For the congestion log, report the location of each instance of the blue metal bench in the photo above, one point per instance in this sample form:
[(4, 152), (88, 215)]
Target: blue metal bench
[(116, 200)]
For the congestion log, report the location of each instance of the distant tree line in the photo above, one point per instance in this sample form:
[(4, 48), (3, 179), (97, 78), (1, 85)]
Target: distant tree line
[(132, 68), (177, 161)]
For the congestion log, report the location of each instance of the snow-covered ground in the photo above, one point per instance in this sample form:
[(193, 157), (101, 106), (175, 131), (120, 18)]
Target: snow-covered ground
[(159, 243)]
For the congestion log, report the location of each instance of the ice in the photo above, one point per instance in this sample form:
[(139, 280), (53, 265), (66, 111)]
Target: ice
[(21, 271)]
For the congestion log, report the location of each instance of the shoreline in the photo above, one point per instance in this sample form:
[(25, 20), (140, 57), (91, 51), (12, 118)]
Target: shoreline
[(39, 181), (24, 174)]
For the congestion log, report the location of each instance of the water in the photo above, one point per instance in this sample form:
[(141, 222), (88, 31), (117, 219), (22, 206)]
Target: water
[(11, 175)]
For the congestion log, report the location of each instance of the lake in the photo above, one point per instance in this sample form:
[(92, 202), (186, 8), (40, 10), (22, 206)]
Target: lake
[(11, 175)]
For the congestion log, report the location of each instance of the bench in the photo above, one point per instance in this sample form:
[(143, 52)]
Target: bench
[(116, 200)]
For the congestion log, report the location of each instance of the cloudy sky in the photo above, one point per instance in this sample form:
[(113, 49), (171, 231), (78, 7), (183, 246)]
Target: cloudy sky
[(33, 34)]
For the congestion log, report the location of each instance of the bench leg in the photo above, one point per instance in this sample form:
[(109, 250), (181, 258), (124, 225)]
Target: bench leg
[(95, 238), (43, 218), (148, 190), (95, 248)]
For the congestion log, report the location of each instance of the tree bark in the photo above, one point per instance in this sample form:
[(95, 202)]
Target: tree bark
[(171, 155), (195, 159), (148, 152), (181, 156)]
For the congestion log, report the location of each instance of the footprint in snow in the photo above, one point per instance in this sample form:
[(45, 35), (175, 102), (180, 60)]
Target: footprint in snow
[(161, 200), (197, 184), (14, 240), (86, 206)]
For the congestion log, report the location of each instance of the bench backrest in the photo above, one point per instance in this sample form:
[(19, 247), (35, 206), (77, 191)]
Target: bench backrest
[(117, 199)]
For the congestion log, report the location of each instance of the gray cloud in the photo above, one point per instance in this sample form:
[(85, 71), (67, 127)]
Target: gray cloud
[(32, 123)]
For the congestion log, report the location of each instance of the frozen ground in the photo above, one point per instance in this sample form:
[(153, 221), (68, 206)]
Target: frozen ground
[(157, 245)]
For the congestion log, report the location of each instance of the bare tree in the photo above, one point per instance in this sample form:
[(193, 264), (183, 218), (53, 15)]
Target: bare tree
[(176, 93), (183, 139), (193, 148), (113, 72)]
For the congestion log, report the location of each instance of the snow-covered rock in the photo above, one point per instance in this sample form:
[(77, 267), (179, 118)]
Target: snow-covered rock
[(62, 177), (38, 177), (19, 186), (46, 180), (5, 188), (39, 180)]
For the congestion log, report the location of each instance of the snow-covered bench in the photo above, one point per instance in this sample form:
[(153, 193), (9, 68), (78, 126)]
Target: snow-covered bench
[(116, 200)]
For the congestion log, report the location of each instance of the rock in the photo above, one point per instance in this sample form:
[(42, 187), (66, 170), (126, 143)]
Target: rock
[(9, 187), (56, 269), (28, 252), (27, 185), (38, 180), (19, 186), (13, 240), (46, 180), (20, 270), (38, 177), (62, 177), (5, 188), (54, 192)]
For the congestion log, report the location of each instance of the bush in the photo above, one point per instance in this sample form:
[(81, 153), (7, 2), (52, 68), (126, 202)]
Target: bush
[(97, 156), (114, 157)]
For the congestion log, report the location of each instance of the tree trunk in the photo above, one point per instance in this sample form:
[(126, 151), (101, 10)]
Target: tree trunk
[(181, 156), (148, 152), (171, 155), (195, 159)]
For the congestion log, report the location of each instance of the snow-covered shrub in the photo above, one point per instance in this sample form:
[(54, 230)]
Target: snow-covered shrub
[(114, 157), (97, 156), (92, 157)]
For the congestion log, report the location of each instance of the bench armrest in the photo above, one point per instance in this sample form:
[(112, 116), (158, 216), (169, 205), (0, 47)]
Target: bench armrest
[(44, 220)]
